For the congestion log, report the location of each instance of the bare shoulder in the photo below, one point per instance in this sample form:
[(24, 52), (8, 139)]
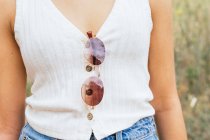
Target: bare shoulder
[(7, 14), (160, 4), (159, 7), (162, 16)]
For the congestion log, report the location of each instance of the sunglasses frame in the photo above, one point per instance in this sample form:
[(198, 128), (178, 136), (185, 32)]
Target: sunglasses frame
[(96, 69)]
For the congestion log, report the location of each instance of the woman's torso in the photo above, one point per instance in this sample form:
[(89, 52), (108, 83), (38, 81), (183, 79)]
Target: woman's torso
[(52, 50)]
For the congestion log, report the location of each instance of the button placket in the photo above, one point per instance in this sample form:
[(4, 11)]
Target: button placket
[(94, 69)]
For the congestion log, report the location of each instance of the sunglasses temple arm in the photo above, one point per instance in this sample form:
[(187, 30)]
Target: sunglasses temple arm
[(97, 70)]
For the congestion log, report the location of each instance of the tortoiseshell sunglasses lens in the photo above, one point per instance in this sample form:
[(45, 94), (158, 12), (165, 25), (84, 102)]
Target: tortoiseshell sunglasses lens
[(92, 91), (94, 51)]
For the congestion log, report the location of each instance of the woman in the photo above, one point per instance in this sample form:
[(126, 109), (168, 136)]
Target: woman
[(87, 61)]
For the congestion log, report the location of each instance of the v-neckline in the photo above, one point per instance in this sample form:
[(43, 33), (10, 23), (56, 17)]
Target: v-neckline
[(80, 33)]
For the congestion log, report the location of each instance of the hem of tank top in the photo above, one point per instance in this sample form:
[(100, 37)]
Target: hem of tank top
[(120, 128), (55, 134), (59, 135)]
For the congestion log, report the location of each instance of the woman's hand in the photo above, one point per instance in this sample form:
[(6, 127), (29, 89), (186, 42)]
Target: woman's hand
[(12, 76), (169, 118)]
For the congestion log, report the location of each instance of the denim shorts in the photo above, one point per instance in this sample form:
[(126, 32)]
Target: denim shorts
[(143, 129)]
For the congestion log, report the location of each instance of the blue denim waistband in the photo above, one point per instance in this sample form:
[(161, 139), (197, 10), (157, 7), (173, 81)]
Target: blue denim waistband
[(143, 129)]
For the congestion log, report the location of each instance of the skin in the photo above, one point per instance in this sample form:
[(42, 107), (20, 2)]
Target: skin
[(12, 77), (169, 118)]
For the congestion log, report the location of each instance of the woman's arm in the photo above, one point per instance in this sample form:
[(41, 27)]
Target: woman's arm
[(12, 77), (169, 118)]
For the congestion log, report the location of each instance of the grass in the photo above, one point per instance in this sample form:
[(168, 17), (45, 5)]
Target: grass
[(192, 56)]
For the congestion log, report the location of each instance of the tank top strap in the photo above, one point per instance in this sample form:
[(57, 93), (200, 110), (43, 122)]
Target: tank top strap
[(18, 20)]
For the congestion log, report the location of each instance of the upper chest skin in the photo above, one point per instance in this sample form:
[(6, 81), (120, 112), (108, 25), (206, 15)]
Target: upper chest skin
[(85, 15)]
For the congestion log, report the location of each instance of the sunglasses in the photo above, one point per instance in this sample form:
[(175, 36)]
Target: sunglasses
[(92, 89)]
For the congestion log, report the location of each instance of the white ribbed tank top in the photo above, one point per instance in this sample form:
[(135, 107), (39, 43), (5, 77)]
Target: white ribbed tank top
[(52, 51)]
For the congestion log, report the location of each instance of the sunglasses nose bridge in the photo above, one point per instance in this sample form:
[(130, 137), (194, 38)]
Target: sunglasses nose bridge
[(97, 71)]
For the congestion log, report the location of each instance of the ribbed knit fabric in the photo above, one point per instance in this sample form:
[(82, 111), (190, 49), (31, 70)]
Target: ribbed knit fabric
[(53, 53)]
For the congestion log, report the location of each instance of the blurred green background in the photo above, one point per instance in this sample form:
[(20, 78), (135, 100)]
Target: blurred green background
[(192, 56)]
